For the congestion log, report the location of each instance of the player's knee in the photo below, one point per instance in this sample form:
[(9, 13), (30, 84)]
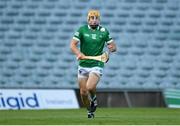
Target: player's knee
[(90, 88), (83, 92)]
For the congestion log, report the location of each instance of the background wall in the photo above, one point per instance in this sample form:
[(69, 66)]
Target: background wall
[(128, 99)]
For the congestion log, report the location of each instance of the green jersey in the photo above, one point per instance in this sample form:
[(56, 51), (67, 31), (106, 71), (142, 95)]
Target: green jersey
[(92, 43)]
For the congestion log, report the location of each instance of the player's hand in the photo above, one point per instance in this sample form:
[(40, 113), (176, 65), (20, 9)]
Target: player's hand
[(111, 48), (80, 56)]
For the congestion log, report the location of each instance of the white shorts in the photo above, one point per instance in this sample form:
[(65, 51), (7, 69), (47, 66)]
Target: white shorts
[(85, 71)]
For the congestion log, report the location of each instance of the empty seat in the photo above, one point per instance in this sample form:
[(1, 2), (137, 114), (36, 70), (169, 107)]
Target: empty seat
[(35, 37)]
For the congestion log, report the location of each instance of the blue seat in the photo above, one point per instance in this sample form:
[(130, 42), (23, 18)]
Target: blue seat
[(35, 53)]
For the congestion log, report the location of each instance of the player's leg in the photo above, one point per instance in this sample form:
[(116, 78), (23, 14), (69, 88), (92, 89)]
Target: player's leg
[(83, 91), (92, 83), (94, 77), (85, 96), (83, 74), (91, 87)]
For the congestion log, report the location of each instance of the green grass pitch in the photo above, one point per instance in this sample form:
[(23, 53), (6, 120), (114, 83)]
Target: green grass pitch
[(104, 116)]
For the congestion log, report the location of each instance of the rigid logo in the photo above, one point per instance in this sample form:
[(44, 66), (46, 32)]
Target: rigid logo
[(19, 101)]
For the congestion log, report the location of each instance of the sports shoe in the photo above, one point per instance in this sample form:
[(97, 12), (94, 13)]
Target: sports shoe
[(90, 115)]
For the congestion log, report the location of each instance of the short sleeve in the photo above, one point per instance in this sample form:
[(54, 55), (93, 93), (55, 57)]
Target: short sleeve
[(77, 35), (108, 37)]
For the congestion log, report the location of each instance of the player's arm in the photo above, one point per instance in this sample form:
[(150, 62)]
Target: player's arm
[(110, 42), (75, 50)]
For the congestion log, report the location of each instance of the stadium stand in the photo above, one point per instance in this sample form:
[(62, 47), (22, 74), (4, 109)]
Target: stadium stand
[(35, 37)]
